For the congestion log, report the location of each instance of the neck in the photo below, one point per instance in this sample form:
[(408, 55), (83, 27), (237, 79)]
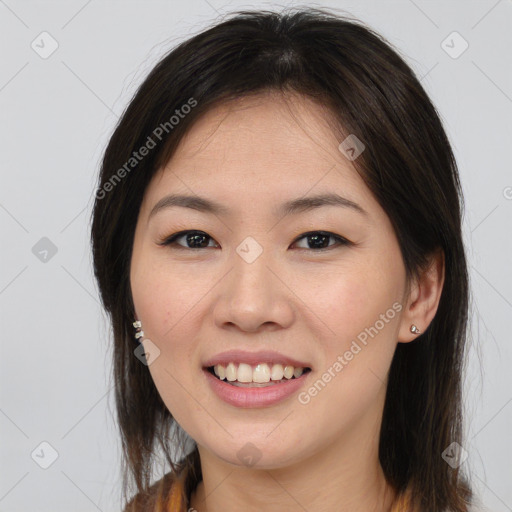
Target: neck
[(345, 476)]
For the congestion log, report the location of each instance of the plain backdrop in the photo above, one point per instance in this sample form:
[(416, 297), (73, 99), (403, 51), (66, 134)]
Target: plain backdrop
[(57, 113)]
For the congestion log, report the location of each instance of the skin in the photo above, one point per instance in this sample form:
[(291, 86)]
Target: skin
[(251, 155)]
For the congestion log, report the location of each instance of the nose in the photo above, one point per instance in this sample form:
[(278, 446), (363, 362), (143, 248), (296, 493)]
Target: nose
[(253, 297)]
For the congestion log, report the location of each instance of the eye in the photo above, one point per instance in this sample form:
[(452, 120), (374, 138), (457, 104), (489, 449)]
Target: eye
[(319, 239), (195, 238), (199, 240)]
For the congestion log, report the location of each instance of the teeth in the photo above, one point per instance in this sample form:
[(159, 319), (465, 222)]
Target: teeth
[(261, 373), (244, 373), (220, 371), (277, 372), (288, 371), (230, 372)]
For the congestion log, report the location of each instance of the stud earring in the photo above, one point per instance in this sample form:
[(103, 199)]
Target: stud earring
[(138, 327), (415, 330)]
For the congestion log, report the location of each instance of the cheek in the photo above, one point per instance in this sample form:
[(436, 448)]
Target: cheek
[(168, 305), (358, 350), (349, 301), (165, 299), (360, 305)]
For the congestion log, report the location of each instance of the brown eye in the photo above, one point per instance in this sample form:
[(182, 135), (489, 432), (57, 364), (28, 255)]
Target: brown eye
[(316, 240), (193, 239), (319, 240)]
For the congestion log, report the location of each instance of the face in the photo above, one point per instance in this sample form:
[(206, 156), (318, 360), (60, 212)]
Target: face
[(321, 286)]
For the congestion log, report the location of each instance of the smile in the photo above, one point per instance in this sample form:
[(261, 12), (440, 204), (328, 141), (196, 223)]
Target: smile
[(251, 394), (260, 375)]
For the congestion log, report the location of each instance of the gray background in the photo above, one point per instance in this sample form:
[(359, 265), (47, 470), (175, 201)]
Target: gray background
[(56, 116)]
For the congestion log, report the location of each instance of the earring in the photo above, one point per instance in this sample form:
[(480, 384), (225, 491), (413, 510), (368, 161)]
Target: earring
[(138, 327), (415, 330)]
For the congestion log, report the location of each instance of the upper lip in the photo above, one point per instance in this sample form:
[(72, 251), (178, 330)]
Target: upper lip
[(254, 358)]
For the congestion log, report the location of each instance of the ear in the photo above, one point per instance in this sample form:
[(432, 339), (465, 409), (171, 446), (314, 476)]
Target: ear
[(423, 300)]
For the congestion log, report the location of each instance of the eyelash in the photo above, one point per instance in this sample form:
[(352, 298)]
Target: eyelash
[(171, 240)]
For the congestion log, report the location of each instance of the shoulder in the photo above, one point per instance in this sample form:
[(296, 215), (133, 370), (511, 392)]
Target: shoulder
[(163, 495)]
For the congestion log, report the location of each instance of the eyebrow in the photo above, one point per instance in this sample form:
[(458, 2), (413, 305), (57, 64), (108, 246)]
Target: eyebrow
[(291, 207)]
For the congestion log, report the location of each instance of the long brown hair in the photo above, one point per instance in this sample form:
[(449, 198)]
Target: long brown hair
[(408, 165)]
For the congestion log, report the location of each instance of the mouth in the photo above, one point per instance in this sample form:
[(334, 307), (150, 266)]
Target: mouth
[(262, 375), (255, 385)]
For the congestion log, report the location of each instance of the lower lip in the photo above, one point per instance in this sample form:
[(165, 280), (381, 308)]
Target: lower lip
[(254, 397)]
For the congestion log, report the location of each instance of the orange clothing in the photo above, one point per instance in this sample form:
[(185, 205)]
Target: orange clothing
[(168, 495)]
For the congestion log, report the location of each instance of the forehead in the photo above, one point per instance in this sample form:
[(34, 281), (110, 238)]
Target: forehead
[(268, 125), (262, 146)]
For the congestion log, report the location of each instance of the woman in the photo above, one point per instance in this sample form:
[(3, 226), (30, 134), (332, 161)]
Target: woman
[(277, 240)]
